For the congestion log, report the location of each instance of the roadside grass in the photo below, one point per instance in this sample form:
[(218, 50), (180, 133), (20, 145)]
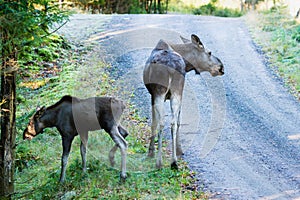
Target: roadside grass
[(278, 34), (38, 161)]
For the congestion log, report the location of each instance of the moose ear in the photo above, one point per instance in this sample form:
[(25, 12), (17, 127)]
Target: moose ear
[(196, 40), (40, 110), (184, 40)]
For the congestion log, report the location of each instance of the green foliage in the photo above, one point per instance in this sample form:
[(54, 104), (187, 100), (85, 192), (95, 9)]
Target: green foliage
[(48, 54), (26, 23), (136, 8), (177, 6), (227, 12), (212, 9), (121, 6), (207, 9)]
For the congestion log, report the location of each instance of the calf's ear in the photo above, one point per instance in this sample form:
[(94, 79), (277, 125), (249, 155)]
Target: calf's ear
[(39, 111), (196, 40), (39, 108)]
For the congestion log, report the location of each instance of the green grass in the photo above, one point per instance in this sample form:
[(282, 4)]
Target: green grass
[(38, 161), (279, 36)]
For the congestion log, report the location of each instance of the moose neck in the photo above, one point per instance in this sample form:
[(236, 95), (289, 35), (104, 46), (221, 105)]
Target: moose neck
[(49, 117), (184, 51)]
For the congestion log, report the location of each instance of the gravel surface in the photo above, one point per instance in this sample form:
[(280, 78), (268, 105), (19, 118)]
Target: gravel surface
[(241, 131)]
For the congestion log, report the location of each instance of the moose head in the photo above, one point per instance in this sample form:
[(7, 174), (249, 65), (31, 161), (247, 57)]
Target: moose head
[(35, 126), (198, 58)]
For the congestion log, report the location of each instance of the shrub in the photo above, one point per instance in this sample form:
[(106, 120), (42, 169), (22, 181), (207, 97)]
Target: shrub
[(210, 9)]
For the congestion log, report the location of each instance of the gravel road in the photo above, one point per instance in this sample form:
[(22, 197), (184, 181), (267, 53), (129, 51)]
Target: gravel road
[(241, 131)]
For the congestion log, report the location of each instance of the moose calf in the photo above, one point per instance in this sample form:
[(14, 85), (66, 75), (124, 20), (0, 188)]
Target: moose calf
[(72, 116)]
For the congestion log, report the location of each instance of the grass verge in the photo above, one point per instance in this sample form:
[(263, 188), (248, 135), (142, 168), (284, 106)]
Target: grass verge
[(279, 36), (38, 161)]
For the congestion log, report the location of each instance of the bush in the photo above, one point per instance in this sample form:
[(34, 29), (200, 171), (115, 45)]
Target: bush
[(226, 12), (207, 9), (212, 9)]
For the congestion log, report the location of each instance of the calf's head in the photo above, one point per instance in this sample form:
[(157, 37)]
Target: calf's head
[(35, 125), (201, 59)]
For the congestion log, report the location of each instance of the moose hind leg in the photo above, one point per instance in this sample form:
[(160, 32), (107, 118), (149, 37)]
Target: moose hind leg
[(175, 103), (113, 150), (157, 126), (122, 144), (179, 151), (154, 125), (66, 142), (122, 131)]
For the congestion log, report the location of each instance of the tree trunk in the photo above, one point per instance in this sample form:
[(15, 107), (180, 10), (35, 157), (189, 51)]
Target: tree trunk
[(8, 133), (8, 117)]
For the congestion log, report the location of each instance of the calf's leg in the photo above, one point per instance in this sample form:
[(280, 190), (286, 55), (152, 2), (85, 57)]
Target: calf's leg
[(66, 143), (83, 147), (122, 144), (112, 152)]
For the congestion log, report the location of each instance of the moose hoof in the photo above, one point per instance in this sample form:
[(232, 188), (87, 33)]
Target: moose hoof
[(174, 166), (122, 178)]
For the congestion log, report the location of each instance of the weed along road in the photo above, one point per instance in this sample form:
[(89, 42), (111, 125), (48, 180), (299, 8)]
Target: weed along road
[(240, 132)]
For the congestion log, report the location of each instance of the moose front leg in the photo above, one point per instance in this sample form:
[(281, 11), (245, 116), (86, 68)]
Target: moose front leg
[(66, 143)]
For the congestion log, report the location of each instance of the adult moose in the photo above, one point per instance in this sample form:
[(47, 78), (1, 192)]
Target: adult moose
[(72, 116), (164, 76)]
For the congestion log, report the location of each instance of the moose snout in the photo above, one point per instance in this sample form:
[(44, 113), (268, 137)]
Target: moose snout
[(26, 135)]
